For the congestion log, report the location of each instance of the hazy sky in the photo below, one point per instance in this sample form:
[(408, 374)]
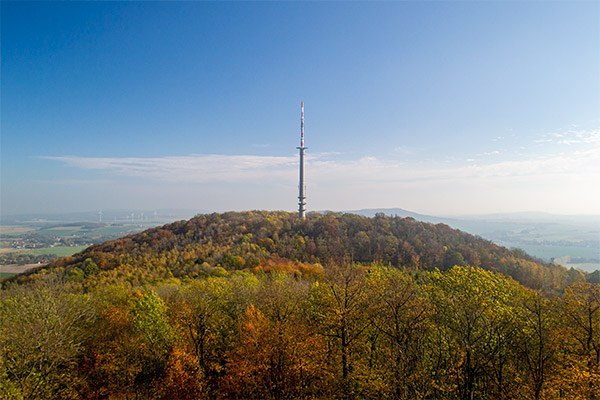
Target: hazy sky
[(435, 107)]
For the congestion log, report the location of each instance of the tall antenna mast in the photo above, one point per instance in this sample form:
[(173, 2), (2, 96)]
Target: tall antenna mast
[(301, 186)]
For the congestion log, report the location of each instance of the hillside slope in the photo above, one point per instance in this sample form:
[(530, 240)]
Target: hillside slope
[(185, 311), (211, 243)]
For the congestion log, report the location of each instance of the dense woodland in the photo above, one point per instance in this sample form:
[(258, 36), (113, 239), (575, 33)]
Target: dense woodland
[(262, 241), (265, 305)]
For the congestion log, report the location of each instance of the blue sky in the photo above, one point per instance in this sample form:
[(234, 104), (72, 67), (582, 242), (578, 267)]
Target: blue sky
[(435, 107)]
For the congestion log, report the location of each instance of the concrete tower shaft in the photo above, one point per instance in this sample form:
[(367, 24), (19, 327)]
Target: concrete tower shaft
[(301, 185)]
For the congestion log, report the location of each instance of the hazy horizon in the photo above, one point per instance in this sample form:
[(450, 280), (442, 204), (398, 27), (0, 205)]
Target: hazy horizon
[(454, 108), (148, 212)]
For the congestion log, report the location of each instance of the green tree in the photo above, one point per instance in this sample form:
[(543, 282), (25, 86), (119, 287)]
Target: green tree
[(581, 325), (149, 321), (536, 343), (474, 316), (339, 307), (402, 313), (42, 332)]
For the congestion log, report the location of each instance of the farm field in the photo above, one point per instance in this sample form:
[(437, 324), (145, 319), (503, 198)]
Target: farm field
[(40, 242), (30, 240), (562, 254), (13, 269), (14, 230), (62, 251)]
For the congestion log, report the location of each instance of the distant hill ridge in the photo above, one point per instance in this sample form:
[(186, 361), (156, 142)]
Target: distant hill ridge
[(261, 240)]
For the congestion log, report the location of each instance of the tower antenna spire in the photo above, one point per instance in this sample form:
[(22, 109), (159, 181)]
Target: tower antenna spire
[(301, 185)]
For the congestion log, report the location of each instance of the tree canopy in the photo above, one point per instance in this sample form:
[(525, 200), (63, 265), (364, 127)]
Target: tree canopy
[(263, 305)]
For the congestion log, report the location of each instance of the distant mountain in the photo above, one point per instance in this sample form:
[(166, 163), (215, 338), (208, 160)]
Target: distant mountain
[(592, 221)]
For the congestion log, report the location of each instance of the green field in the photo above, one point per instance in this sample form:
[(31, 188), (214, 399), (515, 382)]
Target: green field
[(6, 274), (83, 231), (61, 251), (114, 230), (61, 231), (15, 230), (548, 252)]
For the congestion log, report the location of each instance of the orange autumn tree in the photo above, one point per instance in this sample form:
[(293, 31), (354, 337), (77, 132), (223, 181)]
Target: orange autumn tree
[(581, 329), (277, 354)]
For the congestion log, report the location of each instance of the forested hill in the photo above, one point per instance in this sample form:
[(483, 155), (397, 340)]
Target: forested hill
[(184, 312), (213, 244)]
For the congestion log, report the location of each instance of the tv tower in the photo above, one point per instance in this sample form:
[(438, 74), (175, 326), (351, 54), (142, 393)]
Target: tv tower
[(301, 186)]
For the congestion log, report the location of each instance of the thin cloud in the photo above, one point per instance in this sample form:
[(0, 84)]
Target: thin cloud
[(581, 137), (330, 174), (329, 168), (334, 179), (572, 137), (74, 182), (192, 168)]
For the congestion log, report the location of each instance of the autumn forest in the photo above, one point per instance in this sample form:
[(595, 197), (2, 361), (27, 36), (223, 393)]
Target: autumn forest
[(264, 305)]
